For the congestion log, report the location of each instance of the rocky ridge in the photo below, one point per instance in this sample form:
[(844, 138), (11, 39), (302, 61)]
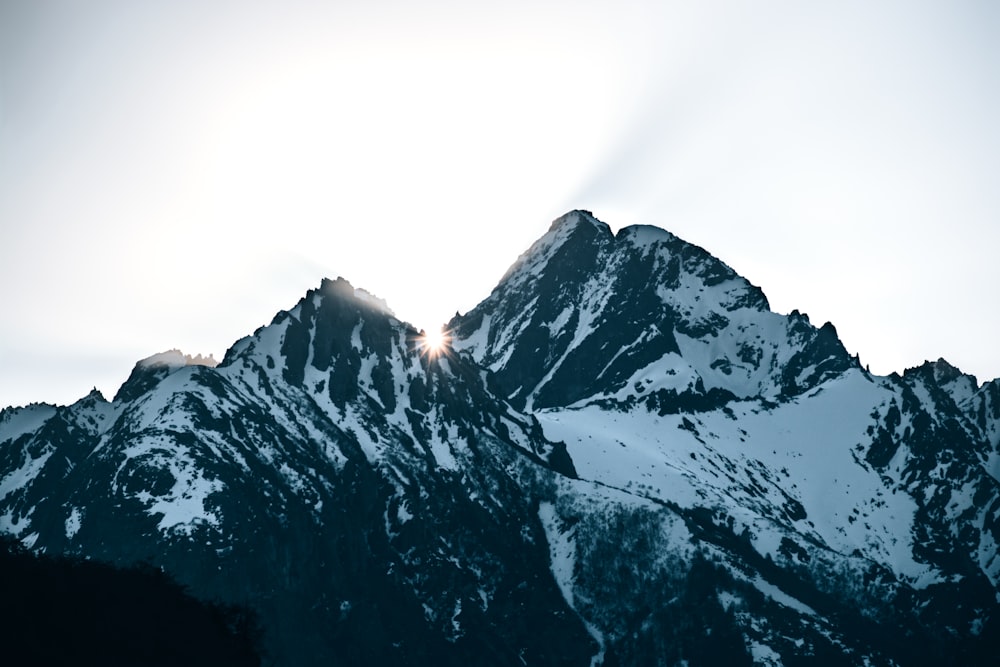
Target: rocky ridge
[(624, 458)]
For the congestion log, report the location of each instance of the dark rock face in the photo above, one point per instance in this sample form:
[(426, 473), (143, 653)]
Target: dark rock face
[(624, 459)]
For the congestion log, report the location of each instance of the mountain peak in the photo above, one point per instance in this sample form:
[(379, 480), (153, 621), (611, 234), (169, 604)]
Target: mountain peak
[(944, 372), (573, 240), (588, 315), (149, 371), (574, 218), (941, 371), (342, 288), (174, 359)]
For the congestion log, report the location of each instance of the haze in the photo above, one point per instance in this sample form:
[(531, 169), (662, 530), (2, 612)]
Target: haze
[(172, 174)]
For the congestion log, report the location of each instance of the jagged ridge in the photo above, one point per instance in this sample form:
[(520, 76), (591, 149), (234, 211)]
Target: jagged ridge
[(626, 458)]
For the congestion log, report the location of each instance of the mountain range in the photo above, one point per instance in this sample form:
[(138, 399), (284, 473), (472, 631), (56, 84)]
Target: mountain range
[(621, 456)]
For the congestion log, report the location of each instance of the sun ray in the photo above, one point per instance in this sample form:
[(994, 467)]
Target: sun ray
[(434, 343)]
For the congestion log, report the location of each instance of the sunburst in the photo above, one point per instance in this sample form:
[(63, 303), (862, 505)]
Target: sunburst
[(434, 343)]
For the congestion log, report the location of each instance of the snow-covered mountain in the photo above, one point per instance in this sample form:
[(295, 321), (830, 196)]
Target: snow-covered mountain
[(623, 458)]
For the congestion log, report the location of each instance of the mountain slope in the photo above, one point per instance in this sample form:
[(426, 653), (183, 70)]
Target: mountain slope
[(362, 495), (668, 377), (624, 458), (582, 311)]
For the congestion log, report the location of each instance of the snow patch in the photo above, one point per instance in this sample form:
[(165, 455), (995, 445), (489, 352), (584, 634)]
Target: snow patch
[(25, 474), (781, 597), (562, 560), (183, 508), (562, 549), (73, 523), (765, 656)]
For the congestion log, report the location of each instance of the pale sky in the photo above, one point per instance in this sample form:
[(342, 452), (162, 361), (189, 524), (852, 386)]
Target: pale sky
[(174, 173)]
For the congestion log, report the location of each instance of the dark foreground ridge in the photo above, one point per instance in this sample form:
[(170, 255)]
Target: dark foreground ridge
[(67, 611)]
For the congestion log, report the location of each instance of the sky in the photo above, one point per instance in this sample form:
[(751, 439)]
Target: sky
[(173, 174)]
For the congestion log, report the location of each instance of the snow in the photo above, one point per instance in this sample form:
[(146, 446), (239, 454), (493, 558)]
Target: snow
[(650, 332), (562, 549), (781, 597), (746, 327), (727, 600), (506, 337), (295, 480), (73, 523), (441, 448), (989, 557), (562, 559), (148, 411), (670, 372), (354, 424), (476, 342), (531, 262), (456, 627), (322, 440), (403, 513), (962, 389), (745, 463), (183, 508), (764, 655), (10, 524), (753, 462), (597, 294), (812, 438), (735, 331), (356, 336), (25, 474), (643, 237), (623, 452), (16, 422), (924, 396), (556, 326)]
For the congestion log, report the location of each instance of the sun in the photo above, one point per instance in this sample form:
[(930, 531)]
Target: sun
[(433, 343)]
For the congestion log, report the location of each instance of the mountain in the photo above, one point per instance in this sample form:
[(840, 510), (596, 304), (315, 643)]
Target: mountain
[(582, 311), (623, 457)]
